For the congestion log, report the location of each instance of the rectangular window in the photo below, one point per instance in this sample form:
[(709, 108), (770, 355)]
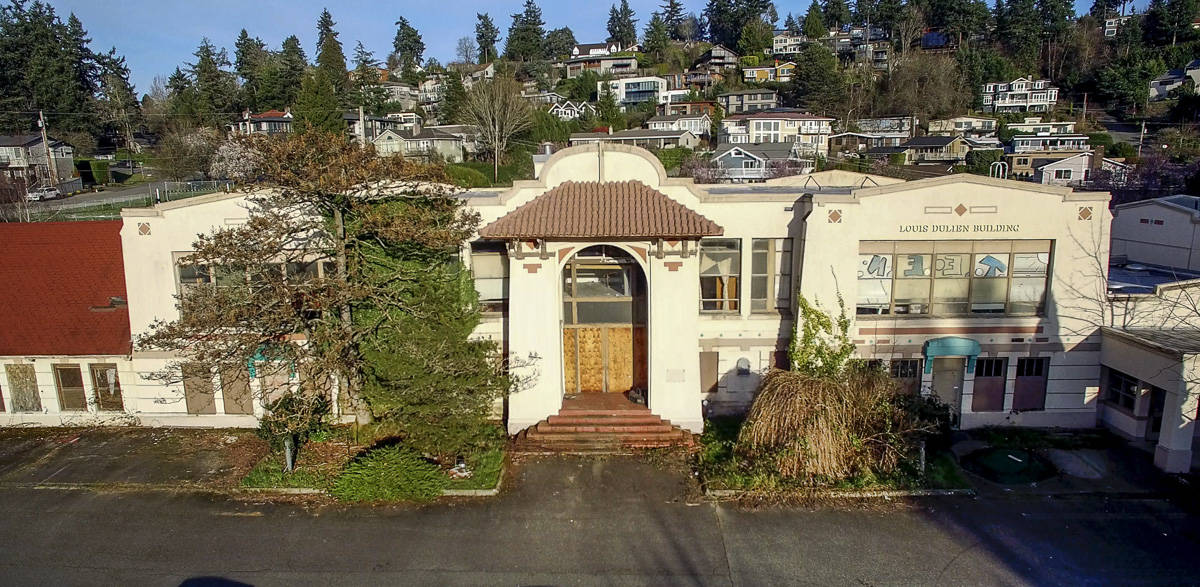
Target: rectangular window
[(771, 274), (107, 385), (489, 265), (720, 272), (990, 379), (1062, 174), (68, 380), (952, 278), (908, 373), (1122, 389)]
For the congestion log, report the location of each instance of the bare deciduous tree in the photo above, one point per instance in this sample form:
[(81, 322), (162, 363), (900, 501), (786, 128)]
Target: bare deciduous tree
[(466, 50), (497, 109)]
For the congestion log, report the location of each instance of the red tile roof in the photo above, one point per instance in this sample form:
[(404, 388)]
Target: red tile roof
[(628, 209), (56, 279)]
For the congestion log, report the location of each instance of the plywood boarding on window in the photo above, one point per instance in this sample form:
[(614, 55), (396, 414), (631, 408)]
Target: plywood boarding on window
[(620, 359), (22, 385), (570, 361), (591, 359), (235, 388), (198, 391)]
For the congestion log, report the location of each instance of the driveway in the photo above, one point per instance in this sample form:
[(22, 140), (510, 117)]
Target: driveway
[(569, 521)]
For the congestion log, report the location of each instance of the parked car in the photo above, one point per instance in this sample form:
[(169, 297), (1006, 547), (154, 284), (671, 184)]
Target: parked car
[(43, 193)]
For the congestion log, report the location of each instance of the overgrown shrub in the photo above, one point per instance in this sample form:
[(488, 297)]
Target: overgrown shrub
[(290, 420), (824, 429), (467, 177), (390, 473)]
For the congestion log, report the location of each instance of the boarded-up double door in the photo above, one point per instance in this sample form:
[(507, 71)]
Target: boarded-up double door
[(598, 358)]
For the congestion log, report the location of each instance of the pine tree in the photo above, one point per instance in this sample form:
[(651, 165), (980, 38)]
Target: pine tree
[(835, 13), (790, 25), (526, 35), (317, 106), (657, 38), (1180, 15), (1024, 33), (456, 94), (486, 36), (672, 15), (622, 26), (330, 58), (722, 23), (814, 23), (250, 60), (367, 91), (559, 43), (293, 64), (215, 86), (756, 36), (408, 44), (817, 83), (117, 103)]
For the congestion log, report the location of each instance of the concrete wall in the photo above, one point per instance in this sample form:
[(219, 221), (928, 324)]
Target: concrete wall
[(1170, 235)]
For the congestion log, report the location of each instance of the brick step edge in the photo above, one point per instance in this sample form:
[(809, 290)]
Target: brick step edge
[(602, 420), (544, 428)]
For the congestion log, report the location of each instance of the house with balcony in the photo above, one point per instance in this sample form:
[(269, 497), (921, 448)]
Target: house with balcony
[(1020, 95), (631, 91), (1042, 143), (808, 132), (646, 138), (698, 124), (420, 143), (744, 162), (23, 157), (693, 107), (601, 65), (848, 144), (1035, 126), (751, 100), (968, 126), (1114, 24), (717, 58), (785, 43), (930, 150), (271, 122), (888, 125), (776, 72)]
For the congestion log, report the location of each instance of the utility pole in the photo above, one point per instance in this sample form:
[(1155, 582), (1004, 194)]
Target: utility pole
[(1141, 139), (1084, 118), (49, 155)]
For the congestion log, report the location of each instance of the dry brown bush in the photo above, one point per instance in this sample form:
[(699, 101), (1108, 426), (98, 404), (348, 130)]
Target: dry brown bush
[(820, 430)]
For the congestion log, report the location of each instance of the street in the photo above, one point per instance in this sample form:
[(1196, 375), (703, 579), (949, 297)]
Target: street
[(588, 521)]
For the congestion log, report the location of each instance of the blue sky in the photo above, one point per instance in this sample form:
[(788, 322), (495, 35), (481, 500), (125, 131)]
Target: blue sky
[(157, 35)]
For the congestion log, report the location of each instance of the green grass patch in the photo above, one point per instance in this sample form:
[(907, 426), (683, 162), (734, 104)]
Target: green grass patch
[(519, 167), (269, 474), (485, 471)]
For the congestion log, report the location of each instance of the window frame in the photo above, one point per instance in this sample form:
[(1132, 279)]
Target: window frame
[(727, 304), (1114, 396), (482, 248), (778, 270)]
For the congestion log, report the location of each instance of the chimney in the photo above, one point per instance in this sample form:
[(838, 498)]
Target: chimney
[(1097, 157), (610, 129)]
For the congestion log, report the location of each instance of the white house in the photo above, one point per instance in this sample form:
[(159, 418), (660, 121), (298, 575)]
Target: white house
[(698, 124), (420, 142), (967, 126), (569, 110), (758, 161), (1045, 143), (1035, 126), (1076, 169), (1161, 86), (640, 137), (631, 91), (1020, 95), (1160, 231), (785, 43), (810, 133)]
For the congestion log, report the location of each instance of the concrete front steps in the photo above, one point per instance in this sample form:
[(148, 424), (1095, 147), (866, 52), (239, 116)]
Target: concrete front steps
[(582, 427)]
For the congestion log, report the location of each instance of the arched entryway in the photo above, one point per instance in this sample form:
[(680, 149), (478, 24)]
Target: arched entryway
[(604, 324)]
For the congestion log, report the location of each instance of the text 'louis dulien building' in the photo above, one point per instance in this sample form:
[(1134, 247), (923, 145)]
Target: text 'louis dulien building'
[(604, 276)]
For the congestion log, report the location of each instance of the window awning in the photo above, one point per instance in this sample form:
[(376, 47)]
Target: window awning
[(951, 346)]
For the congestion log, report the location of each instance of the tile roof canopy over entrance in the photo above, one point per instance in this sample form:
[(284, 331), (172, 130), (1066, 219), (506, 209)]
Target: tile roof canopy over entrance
[(63, 289), (627, 209)]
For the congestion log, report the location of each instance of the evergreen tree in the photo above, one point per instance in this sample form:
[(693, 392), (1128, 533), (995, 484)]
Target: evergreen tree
[(672, 15), (722, 24), (486, 36), (368, 93), (609, 112), (1102, 9), (790, 25), (622, 26), (559, 43), (835, 13), (887, 14), (658, 37), (250, 61), (814, 23), (117, 102), (817, 85), (331, 60), (293, 64), (215, 87), (1023, 34), (526, 35), (407, 45), (756, 36), (456, 95), (1180, 15), (317, 106)]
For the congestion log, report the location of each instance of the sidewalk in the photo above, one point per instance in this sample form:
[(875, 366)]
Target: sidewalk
[(161, 457)]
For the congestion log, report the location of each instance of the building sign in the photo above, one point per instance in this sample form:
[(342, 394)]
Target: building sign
[(976, 228)]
